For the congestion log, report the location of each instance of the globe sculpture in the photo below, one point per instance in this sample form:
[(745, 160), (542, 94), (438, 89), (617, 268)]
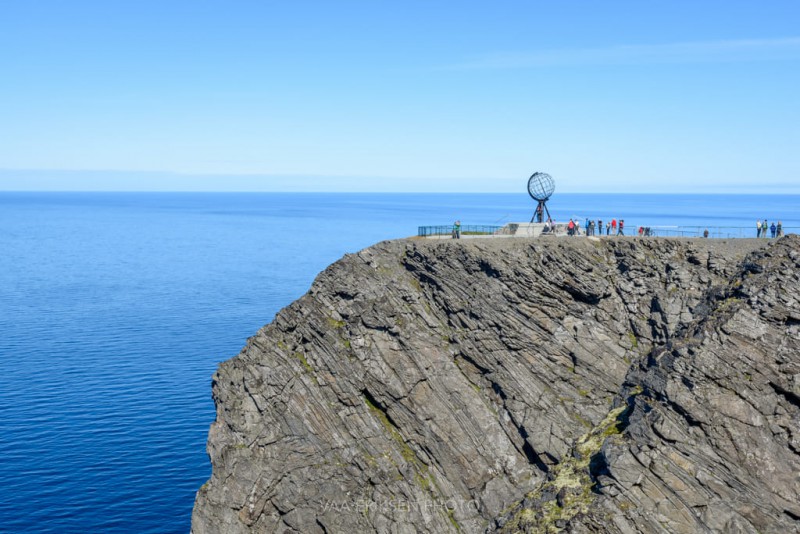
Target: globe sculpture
[(540, 187)]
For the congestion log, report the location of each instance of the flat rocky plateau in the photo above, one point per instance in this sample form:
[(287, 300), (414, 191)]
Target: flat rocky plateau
[(520, 385)]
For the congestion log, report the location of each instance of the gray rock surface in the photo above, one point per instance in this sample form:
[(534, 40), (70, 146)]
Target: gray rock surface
[(577, 385)]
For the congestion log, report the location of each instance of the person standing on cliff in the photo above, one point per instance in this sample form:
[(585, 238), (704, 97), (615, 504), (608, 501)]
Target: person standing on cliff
[(600, 226), (457, 230), (758, 228), (772, 230), (780, 229), (613, 227), (621, 227), (764, 228)]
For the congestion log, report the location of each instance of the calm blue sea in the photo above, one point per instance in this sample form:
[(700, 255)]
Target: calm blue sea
[(115, 309)]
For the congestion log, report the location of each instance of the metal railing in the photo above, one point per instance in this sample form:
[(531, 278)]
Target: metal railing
[(466, 229), (718, 232)]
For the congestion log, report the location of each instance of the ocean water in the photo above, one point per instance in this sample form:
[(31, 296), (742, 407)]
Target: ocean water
[(115, 310)]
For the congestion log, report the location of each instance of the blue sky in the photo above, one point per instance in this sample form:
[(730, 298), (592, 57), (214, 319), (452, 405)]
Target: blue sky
[(400, 96)]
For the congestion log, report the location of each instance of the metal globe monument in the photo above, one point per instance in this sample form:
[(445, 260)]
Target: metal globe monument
[(540, 187)]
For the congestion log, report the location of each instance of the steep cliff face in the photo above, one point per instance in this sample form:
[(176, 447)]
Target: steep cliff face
[(630, 385)]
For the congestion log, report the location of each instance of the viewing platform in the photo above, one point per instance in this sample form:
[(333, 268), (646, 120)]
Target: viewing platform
[(482, 231), (469, 231)]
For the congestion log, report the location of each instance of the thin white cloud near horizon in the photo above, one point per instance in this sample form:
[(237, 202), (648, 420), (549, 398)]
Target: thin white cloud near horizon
[(787, 48), (132, 181)]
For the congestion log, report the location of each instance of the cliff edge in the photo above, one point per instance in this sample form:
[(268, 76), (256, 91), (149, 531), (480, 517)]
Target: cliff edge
[(515, 385)]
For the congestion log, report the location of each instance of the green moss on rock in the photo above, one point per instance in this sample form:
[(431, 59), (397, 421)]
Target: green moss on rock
[(570, 482)]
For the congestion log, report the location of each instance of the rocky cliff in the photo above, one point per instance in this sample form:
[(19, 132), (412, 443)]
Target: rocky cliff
[(577, 385)]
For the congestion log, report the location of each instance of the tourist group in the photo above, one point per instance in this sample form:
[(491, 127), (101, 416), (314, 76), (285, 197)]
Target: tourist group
[(762, 227), (612, 227)]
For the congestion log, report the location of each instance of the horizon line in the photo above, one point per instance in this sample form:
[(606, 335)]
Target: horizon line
[(154, 191)]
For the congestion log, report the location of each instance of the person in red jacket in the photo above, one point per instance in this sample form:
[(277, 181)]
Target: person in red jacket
[(613, 227)]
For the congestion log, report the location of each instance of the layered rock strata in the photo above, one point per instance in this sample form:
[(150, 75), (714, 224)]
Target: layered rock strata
[(583, 385)]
